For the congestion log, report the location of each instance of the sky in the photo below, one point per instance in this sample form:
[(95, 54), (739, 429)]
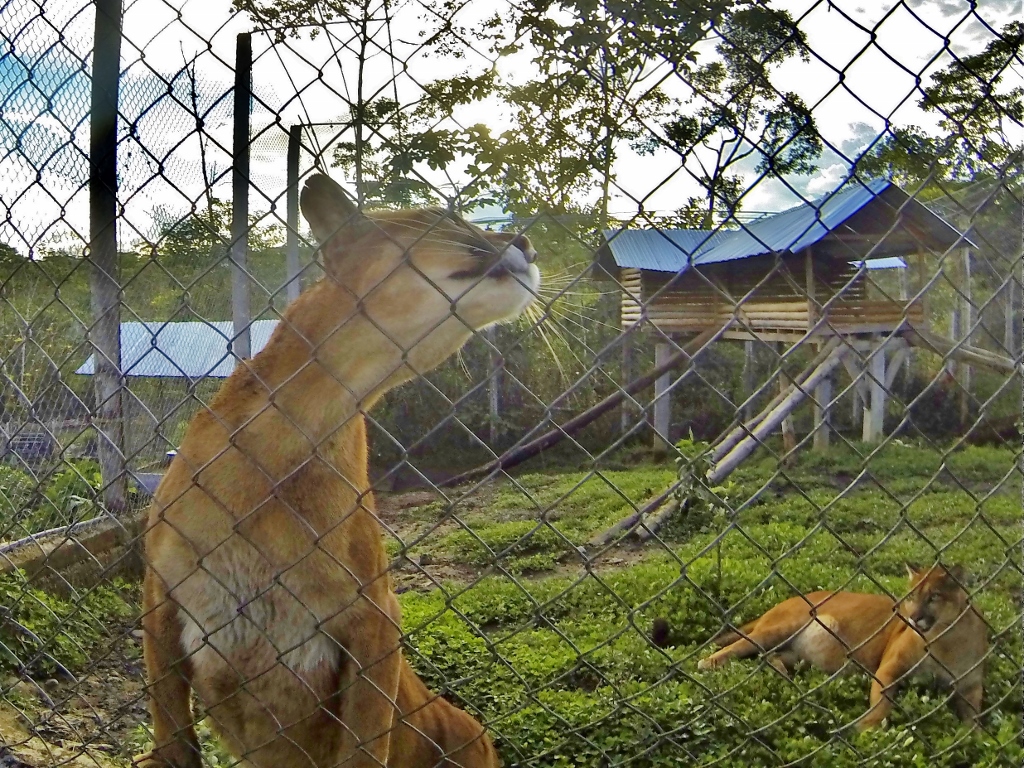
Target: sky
[(868, 59)]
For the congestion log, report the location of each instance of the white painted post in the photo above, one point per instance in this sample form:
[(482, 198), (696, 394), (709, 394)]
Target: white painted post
[(626, 412), (967, 321), (874, 416), (662, 401), (823, 414)]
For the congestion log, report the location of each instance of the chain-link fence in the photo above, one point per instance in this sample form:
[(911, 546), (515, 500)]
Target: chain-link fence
[(704, 326)]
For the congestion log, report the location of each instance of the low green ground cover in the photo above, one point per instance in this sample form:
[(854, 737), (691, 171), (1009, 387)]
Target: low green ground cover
[(556, 656), (558, 660)]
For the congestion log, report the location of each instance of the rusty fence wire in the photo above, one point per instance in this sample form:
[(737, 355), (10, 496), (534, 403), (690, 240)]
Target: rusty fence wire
[(618, 326)]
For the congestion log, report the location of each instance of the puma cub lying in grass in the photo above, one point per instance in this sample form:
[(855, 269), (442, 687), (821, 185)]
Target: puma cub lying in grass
[(934, 630), (267, 590)]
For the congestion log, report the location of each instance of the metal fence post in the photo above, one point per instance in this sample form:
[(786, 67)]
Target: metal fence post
[(240, 311), (292, 213), (105, 333)]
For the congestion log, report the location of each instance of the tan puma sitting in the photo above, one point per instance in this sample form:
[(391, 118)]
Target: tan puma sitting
[(431, 729), (935, 629), (267, 590)]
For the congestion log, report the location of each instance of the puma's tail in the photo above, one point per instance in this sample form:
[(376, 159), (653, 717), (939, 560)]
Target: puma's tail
[(730, 636), (660, 632)]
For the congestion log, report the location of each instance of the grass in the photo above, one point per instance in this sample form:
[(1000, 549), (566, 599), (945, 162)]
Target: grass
[(556, 658)]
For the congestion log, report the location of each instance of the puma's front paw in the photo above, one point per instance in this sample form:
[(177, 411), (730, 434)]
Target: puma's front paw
[(714, 661), (176, 755), (868, 721)]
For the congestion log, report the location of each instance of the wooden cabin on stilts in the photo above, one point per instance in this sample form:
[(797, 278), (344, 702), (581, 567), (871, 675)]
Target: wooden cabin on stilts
[(799, 277)]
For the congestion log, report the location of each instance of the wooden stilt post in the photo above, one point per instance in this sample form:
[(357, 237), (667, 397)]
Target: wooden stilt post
[(966, 322), (788, 430), (662, 401), (626, 413), (874, 413), (823, 414)]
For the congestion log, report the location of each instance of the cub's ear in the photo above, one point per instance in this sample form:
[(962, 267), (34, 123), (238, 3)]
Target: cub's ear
[(912, 569), (329, 210)]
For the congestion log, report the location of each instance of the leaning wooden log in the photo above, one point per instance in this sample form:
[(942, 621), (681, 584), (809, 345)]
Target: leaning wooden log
[(746, 446), (963, 352), (518, 454), (655, 522), (723, 446), (629, 523)]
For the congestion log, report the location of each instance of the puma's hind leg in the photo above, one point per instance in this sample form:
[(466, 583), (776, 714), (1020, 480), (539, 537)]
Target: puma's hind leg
[(175, 744), (767, 635), (764, 636)]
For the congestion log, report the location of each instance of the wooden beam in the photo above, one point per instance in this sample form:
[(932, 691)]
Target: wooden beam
[(731, 460), (726, 444), (892, 369), (788, 429)]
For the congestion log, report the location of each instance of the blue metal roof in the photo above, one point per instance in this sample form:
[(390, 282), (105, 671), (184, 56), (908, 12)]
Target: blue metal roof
[(788, 231), (887, 262), (663, 250), (192, 349)]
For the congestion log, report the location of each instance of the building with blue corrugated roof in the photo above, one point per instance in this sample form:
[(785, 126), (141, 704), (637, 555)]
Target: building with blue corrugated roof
[(802, 275), (803, 270)]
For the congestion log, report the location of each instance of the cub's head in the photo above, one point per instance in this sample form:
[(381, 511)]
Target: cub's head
[(937, 598), (425, 278)]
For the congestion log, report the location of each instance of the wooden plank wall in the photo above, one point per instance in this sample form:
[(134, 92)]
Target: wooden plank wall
[(762, 294)]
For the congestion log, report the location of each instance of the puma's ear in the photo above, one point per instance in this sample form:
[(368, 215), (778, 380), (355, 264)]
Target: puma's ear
[(912, 570), (957, 574), (329, 210)]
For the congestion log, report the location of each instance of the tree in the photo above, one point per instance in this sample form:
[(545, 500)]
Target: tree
[(971, 170), (599, 85), (977, 118), (737, 115), (386, 161)]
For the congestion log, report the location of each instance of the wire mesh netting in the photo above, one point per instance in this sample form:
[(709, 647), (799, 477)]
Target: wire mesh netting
[(703, 323)]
